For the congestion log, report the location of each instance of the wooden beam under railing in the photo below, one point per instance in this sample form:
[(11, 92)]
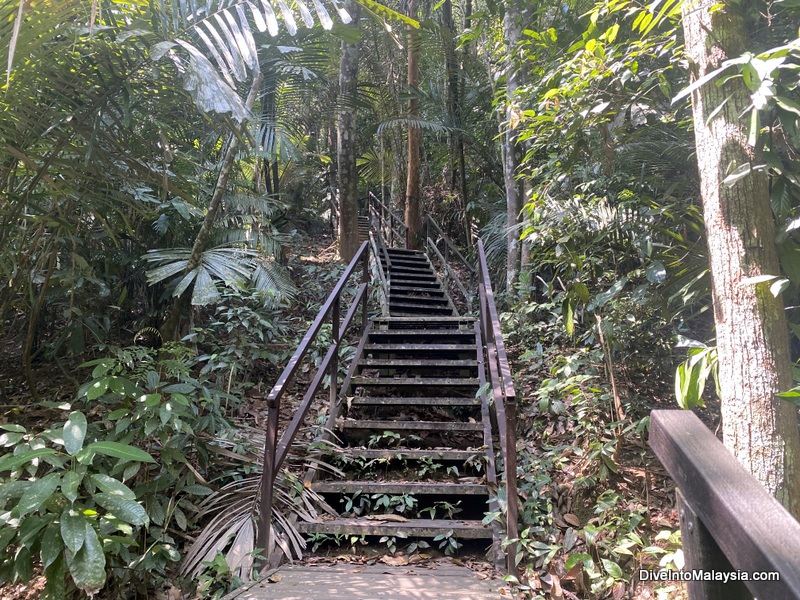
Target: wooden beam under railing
[(730, 523)]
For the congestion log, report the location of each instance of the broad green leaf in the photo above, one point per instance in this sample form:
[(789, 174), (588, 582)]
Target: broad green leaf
[(74, 432), (88, 566), (56, 575), (13, 427), (38, 493), (6, 535), (11, 462), (117, 450), (51, 546), (97, 389), (197, 490), (73, 530), (113, 486), (124, 509), (613, 569), (69, 485)]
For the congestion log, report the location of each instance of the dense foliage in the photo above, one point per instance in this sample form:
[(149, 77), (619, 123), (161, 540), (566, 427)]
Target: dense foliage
[(117, 121)]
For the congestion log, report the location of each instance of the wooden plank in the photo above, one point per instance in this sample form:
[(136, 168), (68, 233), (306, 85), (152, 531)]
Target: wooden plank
[(463, 529), (418, 347), (422, 362), (417, 401), (442, 426), (404, 306), (426, 321), (753, 530), (396, 297), (700, 551), (404, 381), (411, 454), (400, 487), (330, 581)]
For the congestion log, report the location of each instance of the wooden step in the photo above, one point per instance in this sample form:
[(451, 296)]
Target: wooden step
[(393, 363), (393, 296), (404, 348), (411, 454), (425, 321), (417, 290), (399, 487), (411, 261), (437, 333), (405, 251), (461, 529), (402, 282), (416, 401), (415, 381), (444, 426), (411, 309)]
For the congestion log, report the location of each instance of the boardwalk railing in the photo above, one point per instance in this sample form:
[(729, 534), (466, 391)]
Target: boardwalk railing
[(446, 257), (275, 451), (730, 524), (504, 396), (391, 225)]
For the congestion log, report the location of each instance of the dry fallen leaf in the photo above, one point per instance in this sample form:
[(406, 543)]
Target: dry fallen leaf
[(572, 520), (388, 517), (275, 578), (394, 561)]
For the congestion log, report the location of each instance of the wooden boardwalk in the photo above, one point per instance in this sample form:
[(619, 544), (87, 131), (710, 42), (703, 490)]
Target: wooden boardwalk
[(441, 581)]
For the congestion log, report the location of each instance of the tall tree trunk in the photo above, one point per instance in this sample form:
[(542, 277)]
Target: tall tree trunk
[(346, 147), (171, 329), (413, 218), (752, 338), (512, 31)]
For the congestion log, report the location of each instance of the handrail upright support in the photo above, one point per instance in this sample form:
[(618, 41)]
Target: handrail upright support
[(264, 524), (335, 335), (512, 510), (365, 280), (701, 551)]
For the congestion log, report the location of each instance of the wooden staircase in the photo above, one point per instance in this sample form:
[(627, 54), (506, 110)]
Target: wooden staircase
[(413, 433), (425, 407)]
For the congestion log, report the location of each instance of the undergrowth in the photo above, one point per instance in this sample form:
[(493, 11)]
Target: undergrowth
[(590, 516)]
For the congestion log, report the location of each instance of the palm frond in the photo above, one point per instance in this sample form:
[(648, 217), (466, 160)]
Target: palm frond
[(415, 124), (231, 528)]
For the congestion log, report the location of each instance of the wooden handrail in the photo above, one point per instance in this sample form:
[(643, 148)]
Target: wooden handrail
[(505, 401), (275, 452), (447, 267), (402, 232), (729, 521), (450, 244), (502, 357)]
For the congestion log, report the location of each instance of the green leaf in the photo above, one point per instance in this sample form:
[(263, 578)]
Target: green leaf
[(117, 450), (74, 432), (97, 389), (38, 493), (51, 546), (124, 509), (13, 427), (788, 104), (73, 531), (6, 535), (574, 559), (88, 566), (69, 485), (197, 490), (613, 569), (113, 486), (11, 462)]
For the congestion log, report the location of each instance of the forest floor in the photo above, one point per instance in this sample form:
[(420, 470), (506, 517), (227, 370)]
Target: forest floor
[(638, 480)]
